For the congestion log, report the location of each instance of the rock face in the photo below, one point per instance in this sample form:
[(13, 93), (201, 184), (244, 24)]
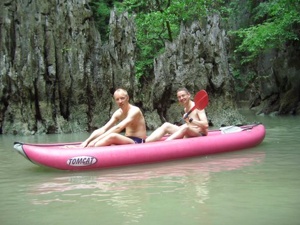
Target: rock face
[(196, 60), (57, 76), (276, 89)]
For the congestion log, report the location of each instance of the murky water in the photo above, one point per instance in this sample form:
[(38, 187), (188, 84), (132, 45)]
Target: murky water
[(256, 186)]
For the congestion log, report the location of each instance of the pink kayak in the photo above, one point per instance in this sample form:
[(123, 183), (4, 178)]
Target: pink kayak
[(69, 156)]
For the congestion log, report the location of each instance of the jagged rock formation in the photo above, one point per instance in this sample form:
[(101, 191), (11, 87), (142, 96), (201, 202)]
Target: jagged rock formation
[(56, 75), (273, 85), (196, 60), (276, 88)]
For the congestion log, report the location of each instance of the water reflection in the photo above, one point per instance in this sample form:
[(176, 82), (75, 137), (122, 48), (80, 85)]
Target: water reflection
[(131, 191)]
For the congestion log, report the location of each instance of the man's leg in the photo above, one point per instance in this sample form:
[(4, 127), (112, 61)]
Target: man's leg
[(114, 139), (184, 130), (166, 128), (180, 133)]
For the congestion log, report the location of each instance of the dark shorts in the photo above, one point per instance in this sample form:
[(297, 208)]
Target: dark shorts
[(137, 140), (202, 134)]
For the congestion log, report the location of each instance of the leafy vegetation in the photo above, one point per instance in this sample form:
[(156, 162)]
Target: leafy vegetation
[(101, 10), (275, 23), (157, 21), (271, 24)]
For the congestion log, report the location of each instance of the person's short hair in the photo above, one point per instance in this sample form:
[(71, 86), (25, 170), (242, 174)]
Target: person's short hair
[(183, 89), (121, 90)]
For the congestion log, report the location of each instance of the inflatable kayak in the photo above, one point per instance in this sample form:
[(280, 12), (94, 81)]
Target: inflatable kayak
[(70, 156)]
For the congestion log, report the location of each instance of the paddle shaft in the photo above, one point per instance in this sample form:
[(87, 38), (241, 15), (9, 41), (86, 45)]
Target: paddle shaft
[(189, 112), (233, 129)]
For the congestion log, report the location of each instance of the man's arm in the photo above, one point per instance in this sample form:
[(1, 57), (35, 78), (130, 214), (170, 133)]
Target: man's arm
[(100, 131), (202, 122), (203, 119), (118, 127)]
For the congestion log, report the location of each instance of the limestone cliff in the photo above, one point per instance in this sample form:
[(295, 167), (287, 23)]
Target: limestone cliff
[(57, 76), (197, 60)]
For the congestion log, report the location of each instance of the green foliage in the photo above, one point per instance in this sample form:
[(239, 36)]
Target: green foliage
[(101, 10), (273, 24), (242, 83), (276, 23), (159, 21)]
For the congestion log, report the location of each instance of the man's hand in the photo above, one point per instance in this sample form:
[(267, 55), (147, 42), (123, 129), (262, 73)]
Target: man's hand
[(83, 144)]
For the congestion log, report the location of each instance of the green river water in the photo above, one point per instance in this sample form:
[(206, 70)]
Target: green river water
[(258, 186)]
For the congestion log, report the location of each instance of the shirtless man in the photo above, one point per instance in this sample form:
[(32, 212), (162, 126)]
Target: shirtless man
[(129, 117), (196, 123)]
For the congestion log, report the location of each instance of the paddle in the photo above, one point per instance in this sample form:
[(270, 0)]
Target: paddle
[(201, 101), (230, 129), (234, 129)]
